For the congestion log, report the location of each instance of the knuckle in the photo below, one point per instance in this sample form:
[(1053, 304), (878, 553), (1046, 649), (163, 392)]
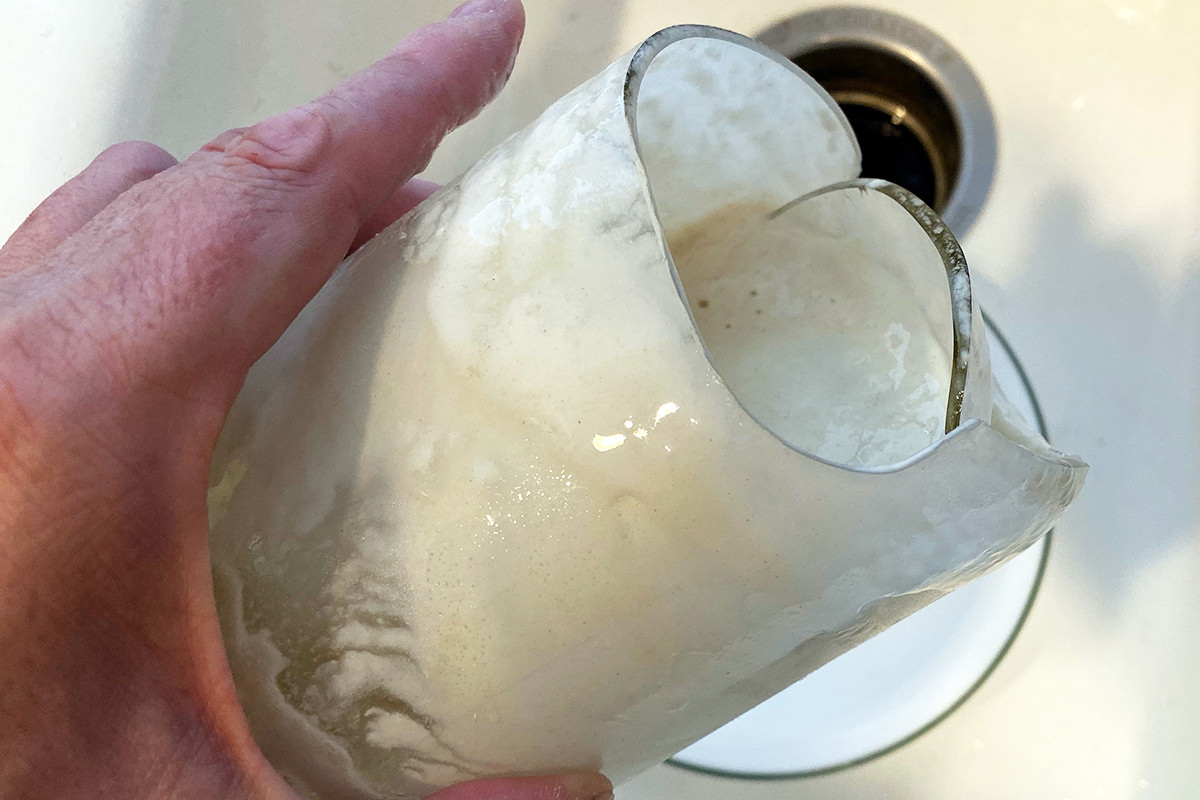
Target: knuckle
[(295, 142), (136, 158), (221, 142), (287, 153)]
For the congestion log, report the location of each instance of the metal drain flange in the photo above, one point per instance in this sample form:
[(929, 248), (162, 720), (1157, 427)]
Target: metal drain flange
[(920, 114)]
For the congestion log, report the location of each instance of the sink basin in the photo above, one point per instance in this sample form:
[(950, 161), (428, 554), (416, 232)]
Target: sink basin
[(1086, 255)]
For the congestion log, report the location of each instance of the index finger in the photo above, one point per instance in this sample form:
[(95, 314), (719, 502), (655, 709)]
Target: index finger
[(375, 130), (196, 272)]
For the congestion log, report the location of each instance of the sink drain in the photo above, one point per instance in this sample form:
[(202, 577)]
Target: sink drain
[(921, 116)]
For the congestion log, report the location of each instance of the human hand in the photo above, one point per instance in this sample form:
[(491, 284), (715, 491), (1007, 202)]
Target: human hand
[(135, 299)]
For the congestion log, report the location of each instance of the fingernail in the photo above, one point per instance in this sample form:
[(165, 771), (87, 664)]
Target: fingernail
[(472, 7)]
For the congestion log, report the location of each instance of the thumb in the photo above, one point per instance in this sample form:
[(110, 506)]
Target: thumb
[(570, 786)]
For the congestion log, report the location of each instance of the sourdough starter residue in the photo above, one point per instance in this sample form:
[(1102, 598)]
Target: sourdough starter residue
[(821, 346)]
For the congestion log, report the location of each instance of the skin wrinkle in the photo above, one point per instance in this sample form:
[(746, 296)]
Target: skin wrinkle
[(292, 151), (143, 301), (50, 347), (12, 446)]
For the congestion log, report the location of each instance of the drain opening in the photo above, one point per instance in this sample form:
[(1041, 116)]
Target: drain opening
[(920, 115), (903, 123)]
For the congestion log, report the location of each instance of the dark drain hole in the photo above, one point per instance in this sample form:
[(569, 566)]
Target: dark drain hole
[(906, 130)]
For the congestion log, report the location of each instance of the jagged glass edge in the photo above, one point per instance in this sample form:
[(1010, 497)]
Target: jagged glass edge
[(958, 278), (948, 248), (1046, 543)]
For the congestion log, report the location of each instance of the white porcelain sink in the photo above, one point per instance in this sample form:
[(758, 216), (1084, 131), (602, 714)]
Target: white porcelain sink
[(1087, 255)]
